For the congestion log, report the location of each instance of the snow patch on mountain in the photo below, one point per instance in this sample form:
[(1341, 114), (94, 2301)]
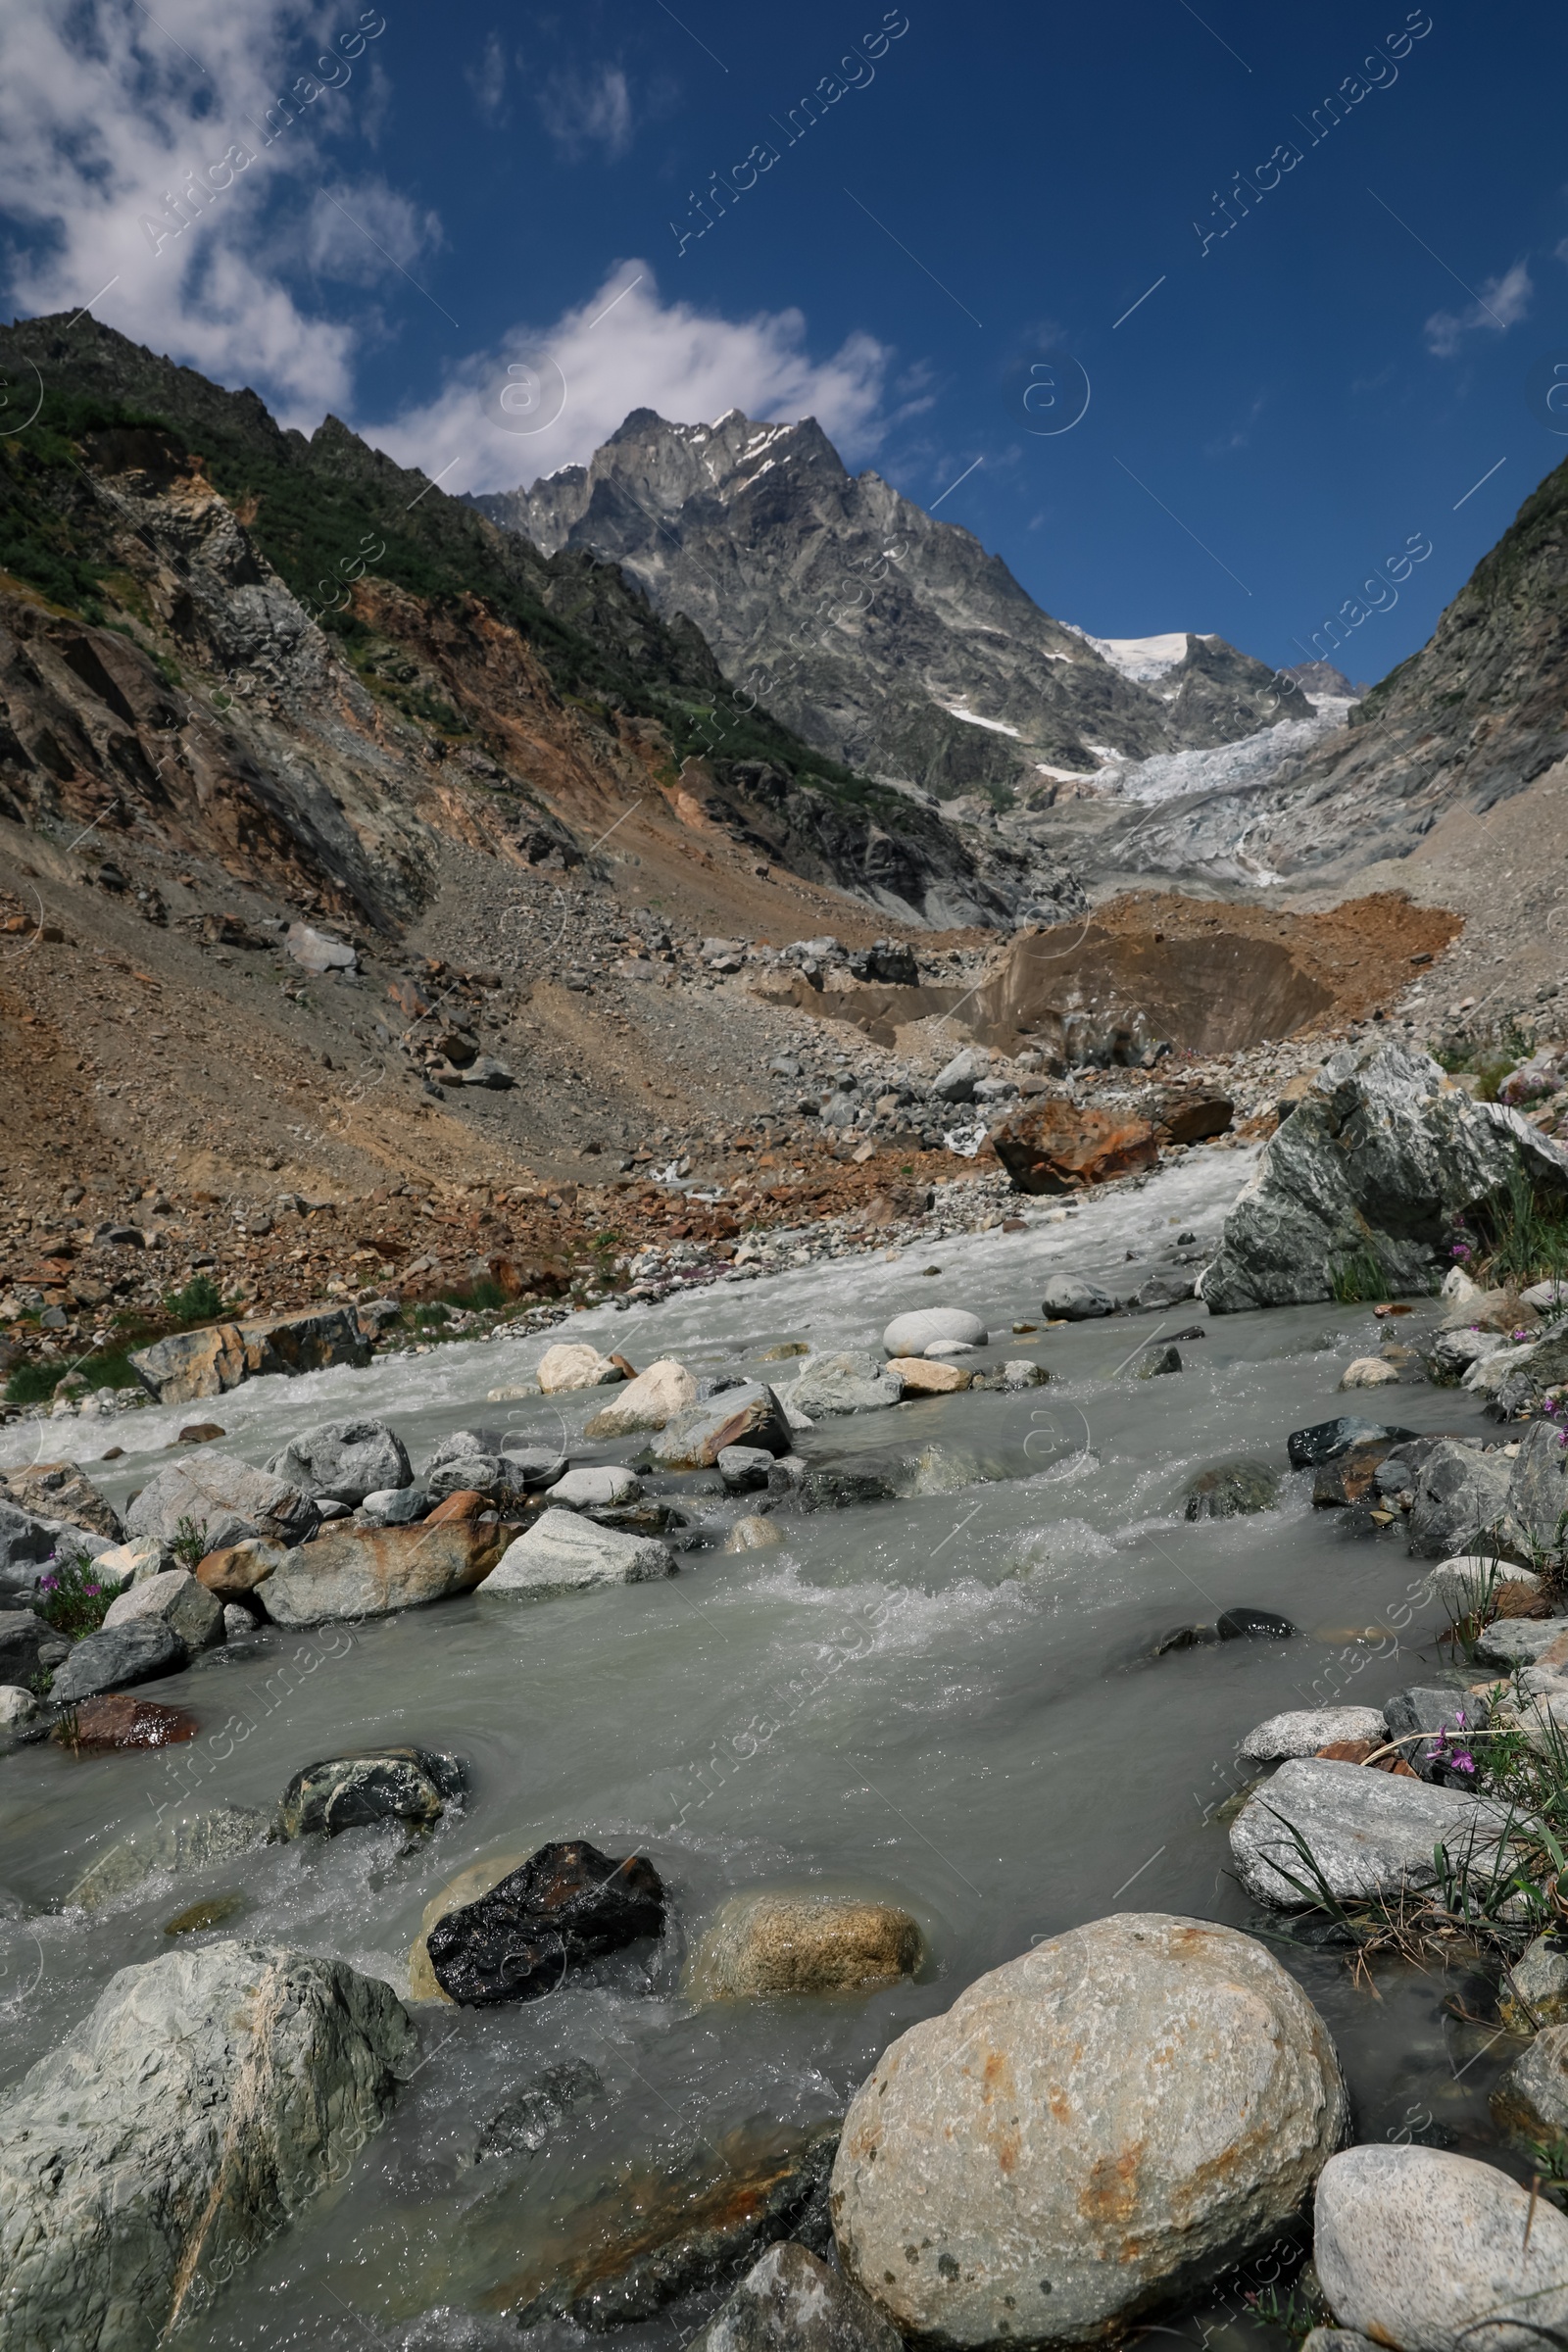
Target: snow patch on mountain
[(1169, 775)]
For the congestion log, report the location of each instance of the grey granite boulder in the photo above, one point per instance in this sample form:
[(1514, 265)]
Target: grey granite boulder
[(1510, 1642), (176, 1598), (343, 1461), (1531, 2102), (565, 1552), (188, 1845), (1534, 1989), (748, 1414), (26, 1547), (1376, 1161), (792, 2302), (224, 1500), (1460, 1495), (119, 1659), (1367, 1833), (27, 1645), (846, 1382), (1425, 2252), (204, 2101), (1091, 2131), (1304, 1730), (598, 1489)]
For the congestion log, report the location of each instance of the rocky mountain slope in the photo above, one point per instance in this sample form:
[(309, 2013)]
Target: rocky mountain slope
[(293, 652), (887, 638)]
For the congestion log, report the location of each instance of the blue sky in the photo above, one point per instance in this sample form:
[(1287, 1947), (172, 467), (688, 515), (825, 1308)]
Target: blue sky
[(1323, 362)]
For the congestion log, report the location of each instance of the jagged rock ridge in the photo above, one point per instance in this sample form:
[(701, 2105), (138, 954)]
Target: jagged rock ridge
[(889, 639)]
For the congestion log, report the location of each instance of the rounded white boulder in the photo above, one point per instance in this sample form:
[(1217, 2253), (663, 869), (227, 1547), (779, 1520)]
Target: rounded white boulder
[(912, 1333), (1108, 2121), (1425, 2252)]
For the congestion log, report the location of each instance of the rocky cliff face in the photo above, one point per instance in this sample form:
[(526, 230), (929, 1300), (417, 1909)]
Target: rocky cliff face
[(291, 652), (889, 639)]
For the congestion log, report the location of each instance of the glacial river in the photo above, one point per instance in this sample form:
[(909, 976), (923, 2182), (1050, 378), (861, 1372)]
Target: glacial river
[(948, 1701)]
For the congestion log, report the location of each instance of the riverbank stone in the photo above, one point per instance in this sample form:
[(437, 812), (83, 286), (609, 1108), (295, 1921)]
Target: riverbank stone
[(1535, 1991), (1368, 1833), (224, 1500), (1425, 2251), (175, 1598), (371, 1571), (1304, 1730), (657, 1395), (1090, 2130), (1306, 1448), (118, 1659), (1071, 1298), (201, 2105), (568, 1904), (748, 1414)]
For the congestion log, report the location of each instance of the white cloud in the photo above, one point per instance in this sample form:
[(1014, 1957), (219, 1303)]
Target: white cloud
[(488, 80), (583, 111), (1502, 303), (624, 348), (356, 229), (102, 112)]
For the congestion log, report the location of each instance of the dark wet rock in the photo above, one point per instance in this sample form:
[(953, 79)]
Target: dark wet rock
[(1259, 1625), (1436, 1713), (1185, 1636), (859, 1478), (205, 2100), (1232, 1490), (792, 2302), (745, 1467), (534, 2115), (27, 1646), (568, 1903), (116, 1660), (1157, 1360), (343, 1461), (652, 2240), (1320, 1442), (533, 1468), (412, 1785)]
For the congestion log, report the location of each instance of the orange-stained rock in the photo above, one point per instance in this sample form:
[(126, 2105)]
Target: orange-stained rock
[(239, 1568), (370, 1571), (121, 1720), (1053, 1147), (467, 1503)]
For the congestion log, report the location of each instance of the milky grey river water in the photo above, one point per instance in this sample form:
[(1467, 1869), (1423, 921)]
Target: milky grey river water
[(946, 1700)]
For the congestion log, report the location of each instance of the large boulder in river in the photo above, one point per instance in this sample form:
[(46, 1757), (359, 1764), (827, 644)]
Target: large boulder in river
[(343, 1461), (1052, 1145), (61, 1490), (191, 1365), (573, 1364), (1427, 2252), (1090, 2130), (370, 1571), (174, 1598), (1375, 1163), (224, 1500), (1461, 1495), (792, 2302), (201, 2105), (372, 1785), (654, 1397), (1320, 1825)]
